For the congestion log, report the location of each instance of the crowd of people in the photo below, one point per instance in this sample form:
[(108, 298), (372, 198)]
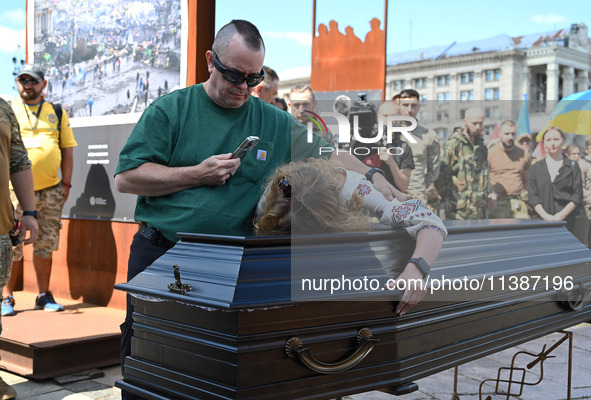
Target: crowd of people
[(188, 180), (467, 178)]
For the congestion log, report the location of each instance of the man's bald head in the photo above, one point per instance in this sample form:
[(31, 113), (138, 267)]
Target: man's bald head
[(474, 123), (474, 112)]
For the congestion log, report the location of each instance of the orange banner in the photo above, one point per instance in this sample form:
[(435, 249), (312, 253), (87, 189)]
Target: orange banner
[(342, 61)]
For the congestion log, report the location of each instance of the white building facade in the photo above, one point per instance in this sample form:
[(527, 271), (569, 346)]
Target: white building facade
[(493, 74)]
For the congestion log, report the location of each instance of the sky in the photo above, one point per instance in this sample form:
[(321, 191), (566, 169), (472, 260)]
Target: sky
[(12, 32), (286, 26)]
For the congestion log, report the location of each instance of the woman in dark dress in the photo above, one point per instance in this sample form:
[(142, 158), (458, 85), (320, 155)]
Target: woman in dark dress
[(555, 187)]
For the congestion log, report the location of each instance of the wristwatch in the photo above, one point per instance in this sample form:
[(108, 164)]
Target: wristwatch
[(31, 213), (369, 174), (422, 265)]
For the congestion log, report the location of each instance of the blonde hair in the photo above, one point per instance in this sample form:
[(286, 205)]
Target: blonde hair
[(313, 206)]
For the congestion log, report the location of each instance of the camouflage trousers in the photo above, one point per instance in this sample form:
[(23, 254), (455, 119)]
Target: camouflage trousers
[(49, 203), (510, 207), (464, 206), (5, 263)]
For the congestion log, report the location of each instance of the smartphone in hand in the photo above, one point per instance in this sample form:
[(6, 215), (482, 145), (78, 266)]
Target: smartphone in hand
[(247, 145)]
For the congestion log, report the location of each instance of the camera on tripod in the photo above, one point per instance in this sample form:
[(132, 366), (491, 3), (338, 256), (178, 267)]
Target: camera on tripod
[(366, 114)]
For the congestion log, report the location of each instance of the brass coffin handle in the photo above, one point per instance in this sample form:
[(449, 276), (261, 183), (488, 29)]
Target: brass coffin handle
[(295, 348)]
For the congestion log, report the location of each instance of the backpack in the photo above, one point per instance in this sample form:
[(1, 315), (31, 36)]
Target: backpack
[(58, 112)]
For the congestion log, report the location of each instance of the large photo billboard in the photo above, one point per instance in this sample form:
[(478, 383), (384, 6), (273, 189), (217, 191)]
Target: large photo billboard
[(105, 61), (104, 57)]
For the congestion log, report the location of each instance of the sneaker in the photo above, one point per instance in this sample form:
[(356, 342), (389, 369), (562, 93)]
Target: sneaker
[(46, 302), (7, 392), (8, 307)]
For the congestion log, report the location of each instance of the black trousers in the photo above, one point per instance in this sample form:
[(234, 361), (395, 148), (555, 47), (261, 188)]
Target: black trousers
[(142, 254)]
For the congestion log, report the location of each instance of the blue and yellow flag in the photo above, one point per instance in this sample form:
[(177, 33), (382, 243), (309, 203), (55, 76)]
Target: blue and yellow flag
[(572, 114)]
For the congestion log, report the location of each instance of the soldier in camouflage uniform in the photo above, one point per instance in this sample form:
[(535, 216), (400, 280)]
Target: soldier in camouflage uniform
[(463, 178), (17, 168)]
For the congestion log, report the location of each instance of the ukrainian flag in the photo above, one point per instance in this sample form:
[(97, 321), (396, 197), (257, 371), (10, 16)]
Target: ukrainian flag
[(572, 114)]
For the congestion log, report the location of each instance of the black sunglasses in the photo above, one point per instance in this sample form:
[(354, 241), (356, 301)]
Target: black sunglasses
[(235, 78), (285, 188), (24, 81)]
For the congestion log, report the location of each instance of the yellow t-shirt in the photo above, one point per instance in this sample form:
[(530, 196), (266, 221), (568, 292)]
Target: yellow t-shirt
[(42, 139)]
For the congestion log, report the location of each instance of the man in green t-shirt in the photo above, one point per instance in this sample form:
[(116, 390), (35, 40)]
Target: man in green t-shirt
[(178, 157)]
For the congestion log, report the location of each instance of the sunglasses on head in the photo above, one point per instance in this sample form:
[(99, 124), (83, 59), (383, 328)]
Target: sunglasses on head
[(285, 188), (24, 81), (235, 78)]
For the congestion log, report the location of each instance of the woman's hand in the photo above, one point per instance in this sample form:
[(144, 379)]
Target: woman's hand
[(414, 288), (389, 191)]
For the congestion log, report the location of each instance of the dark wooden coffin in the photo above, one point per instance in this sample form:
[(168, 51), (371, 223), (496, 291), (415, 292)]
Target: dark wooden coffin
[(247, 330)]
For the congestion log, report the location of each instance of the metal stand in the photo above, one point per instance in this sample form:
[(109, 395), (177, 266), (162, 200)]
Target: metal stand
[(520, 381), (455, 396)]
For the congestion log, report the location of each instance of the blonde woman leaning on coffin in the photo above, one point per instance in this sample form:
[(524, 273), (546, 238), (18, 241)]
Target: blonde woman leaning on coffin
[(321, 196)]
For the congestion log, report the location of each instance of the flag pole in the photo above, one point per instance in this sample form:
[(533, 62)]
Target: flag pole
[(385, 47), (313, 19)]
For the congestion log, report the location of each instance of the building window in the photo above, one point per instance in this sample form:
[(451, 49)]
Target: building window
[(492, 112), (491, 94), (420, 83), (492, 75), (398, 85), (424, 98), (467, 77), (443, 115), (467, 95), (443, 97), (443, 80)]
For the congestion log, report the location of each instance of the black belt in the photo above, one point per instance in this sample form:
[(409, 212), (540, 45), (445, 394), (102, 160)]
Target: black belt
[(154, 236)]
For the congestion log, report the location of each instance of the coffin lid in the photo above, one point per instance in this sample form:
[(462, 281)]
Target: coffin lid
[(245, 272)]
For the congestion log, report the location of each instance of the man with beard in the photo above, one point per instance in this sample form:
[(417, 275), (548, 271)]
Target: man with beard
[(48, 137), (509, 169), (463, 178)]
